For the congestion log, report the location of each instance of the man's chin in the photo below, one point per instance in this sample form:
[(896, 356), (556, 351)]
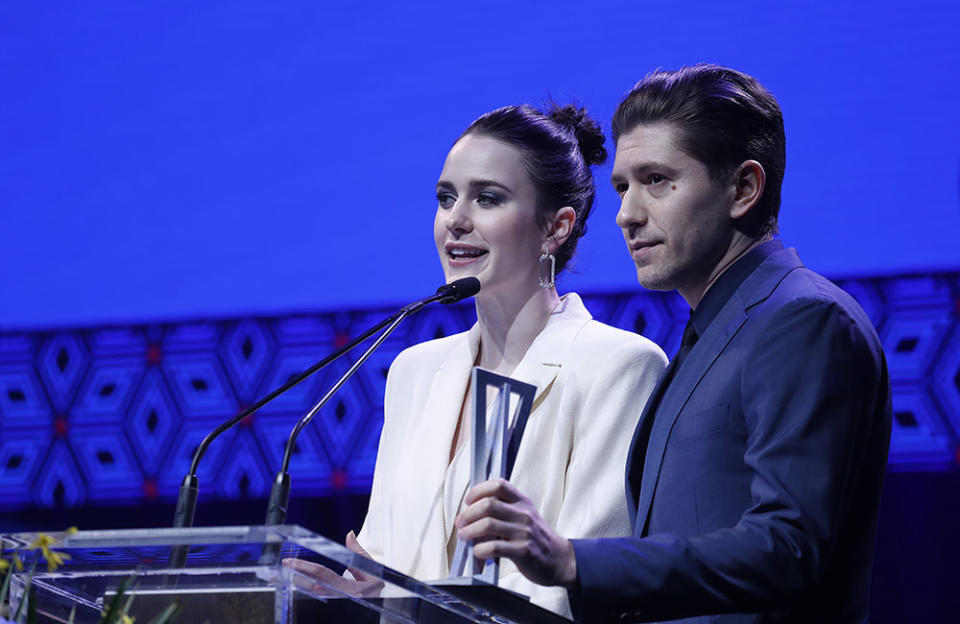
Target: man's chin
[(653, 282)]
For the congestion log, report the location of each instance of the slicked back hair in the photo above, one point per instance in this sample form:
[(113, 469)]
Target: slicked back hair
[(724, 117)]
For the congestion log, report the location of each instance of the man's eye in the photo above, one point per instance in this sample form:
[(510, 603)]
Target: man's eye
[(620, 188), (488, 199), (446, 200), (655, 178)]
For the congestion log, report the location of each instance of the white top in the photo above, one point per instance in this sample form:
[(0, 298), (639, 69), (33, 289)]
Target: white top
[(592, 383)]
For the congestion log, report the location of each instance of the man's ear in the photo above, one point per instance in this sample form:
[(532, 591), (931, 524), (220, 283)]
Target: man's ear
[(561, 226), (749, 180)]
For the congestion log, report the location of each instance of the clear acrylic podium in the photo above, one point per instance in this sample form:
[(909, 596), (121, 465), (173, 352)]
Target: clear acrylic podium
[(233, 575)]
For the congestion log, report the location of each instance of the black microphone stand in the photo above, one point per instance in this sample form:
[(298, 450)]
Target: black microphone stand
[(189, 488), (187, 498), (280, 491)]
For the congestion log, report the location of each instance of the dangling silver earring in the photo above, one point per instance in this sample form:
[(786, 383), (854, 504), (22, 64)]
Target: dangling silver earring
[(546, 255)]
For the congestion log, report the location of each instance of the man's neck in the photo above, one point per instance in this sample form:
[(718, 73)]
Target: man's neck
[(739, 247)]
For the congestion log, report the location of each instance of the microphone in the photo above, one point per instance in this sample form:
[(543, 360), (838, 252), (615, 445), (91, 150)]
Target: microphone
[(280, 491), (459, 290), (189, 488)]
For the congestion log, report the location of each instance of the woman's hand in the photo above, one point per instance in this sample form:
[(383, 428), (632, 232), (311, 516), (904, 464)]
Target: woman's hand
[(503, 522), (329, 582)]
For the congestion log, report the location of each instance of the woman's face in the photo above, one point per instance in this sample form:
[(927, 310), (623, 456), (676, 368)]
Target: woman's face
[(486, 223)]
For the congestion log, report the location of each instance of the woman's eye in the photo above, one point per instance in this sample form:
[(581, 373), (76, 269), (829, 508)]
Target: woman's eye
[(446, 200), (488, 199)]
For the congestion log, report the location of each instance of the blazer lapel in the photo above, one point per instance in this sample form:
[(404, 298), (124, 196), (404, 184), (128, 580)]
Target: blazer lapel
[(541, 362), (755, 288), (431, 433)]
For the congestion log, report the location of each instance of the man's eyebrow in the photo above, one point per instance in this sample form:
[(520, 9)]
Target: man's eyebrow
[(644, 166)]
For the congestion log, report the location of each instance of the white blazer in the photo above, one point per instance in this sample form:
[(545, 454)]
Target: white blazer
[(592, 382)]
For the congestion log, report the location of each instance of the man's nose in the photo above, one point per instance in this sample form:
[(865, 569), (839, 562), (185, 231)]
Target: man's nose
[(632, 213)]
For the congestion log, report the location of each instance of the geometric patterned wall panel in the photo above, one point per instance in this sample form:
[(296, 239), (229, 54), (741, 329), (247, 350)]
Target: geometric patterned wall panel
[(112, 415)]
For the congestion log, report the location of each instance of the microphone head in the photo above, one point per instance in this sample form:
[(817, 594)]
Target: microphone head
[(458, 290)]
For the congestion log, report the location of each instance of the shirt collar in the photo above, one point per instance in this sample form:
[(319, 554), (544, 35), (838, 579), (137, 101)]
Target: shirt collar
[(729, 281)]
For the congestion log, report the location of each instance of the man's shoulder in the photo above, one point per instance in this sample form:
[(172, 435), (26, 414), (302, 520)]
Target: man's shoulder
[(803, 287), (805, 303)]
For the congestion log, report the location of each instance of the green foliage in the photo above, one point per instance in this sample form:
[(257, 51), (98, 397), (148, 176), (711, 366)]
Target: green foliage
[(116, 611)]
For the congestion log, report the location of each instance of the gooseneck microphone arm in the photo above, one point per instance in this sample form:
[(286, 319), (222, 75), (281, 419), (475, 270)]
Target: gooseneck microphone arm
[(280, 491), (187, 498)]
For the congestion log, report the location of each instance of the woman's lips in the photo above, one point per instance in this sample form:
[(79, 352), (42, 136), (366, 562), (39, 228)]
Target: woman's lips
[(461, 255)]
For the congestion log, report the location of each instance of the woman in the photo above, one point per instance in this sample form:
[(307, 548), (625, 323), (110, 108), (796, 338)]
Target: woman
[(513, 199)]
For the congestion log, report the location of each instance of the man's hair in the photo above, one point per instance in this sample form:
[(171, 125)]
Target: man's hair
[(724, 117)]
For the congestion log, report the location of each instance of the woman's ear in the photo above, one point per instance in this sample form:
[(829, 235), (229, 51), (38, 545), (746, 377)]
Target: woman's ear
[(749, 180), (561, 226)]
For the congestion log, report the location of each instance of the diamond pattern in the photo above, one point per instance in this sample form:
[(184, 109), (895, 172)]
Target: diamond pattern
[(108, 465), (58, 483), (113, 415), (61, 363), (922, 440), (199, 385), (912, 339), (152, 422), (309, 466), (21, 455), (246, 353), (22, 400)]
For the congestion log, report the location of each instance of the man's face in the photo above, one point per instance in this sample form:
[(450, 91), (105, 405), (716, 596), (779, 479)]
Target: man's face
[(675, 219)]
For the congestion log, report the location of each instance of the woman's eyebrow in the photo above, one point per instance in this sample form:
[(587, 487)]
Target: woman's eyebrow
[(479, 183)]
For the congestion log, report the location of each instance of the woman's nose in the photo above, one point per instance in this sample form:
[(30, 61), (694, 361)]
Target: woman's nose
[(458, 217)]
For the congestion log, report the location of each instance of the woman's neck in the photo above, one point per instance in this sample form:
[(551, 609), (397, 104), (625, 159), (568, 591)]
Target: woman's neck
[(508, 326)]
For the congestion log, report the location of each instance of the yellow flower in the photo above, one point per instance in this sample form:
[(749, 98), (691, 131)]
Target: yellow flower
[(54, 559), (5, 565)]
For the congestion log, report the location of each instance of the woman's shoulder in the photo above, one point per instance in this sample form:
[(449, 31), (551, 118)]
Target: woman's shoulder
[(605, 342), (424, 352)]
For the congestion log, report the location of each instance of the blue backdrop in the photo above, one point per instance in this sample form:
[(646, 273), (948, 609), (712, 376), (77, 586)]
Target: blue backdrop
[(199, 198), (181, 159)]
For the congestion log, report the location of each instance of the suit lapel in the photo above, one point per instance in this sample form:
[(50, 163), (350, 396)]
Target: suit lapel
[(755, 288), (675, 396)]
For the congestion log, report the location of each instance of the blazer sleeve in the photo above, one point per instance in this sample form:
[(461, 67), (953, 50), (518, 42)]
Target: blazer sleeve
[(371, 535), (608, 387), (810, 384)]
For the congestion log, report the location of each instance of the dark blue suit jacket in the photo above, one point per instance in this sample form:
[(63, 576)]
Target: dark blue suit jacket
[(762, 478)]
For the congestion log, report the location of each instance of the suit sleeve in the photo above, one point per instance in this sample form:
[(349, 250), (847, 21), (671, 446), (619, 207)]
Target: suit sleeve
[(808, 388), (612, 388)]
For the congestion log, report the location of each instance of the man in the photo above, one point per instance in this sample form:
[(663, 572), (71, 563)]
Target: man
[(755, 473)]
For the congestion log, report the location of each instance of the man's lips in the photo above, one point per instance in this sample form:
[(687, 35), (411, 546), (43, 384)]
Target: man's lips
[(639, 249)]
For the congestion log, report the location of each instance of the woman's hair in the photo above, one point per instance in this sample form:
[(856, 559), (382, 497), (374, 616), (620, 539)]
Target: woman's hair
[(559, 147)]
